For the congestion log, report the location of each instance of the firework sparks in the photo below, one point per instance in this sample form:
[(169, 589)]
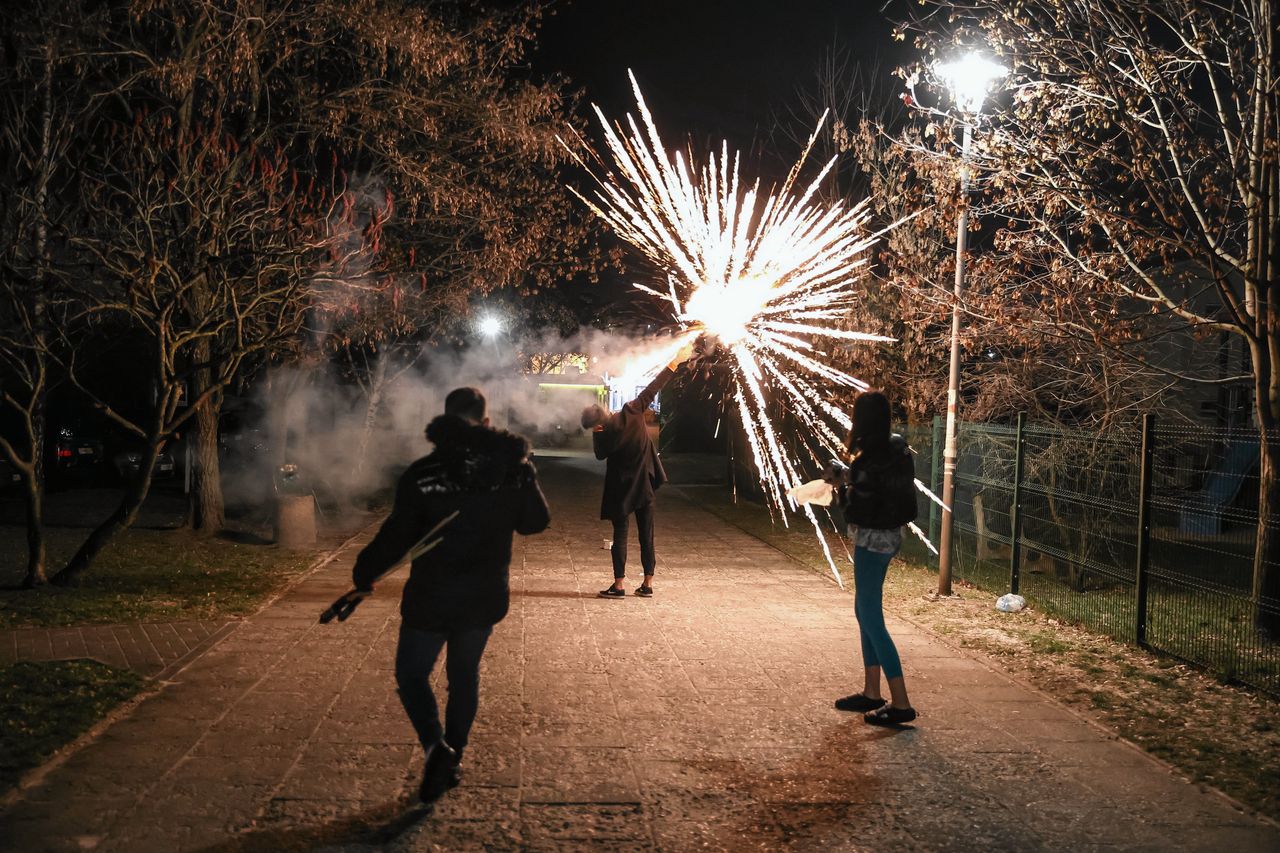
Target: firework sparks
[(766, 273)]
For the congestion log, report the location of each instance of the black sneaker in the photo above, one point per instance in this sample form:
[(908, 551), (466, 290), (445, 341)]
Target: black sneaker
[(858, 702), (612, 592), (441, 773), (887, 715), (644, 591)]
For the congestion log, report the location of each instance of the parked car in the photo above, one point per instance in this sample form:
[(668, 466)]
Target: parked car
[(72, 452), (128, 462)]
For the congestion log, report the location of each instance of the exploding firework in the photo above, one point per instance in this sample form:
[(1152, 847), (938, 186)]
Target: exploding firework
[(768, 274)]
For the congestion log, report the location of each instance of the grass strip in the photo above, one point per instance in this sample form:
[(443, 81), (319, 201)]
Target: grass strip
[(44, 706), (159, 576)]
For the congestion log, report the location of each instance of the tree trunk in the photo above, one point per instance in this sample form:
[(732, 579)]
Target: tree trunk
[(1266, 553), (205, 504), (121, 518), (36, 557), (34, 476), (377, 386)]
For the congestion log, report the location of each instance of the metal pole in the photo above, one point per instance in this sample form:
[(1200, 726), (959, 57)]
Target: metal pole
[(949, 452), (1015, 514), (935, 476), (1144, 531)]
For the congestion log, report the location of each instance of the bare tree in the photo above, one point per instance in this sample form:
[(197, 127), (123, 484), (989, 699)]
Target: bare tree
[(1137, 156), (206, 251), (44, 106)]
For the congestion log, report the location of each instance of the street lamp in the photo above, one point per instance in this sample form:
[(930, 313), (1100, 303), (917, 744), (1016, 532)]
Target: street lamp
[(968, 78), (490, 326)]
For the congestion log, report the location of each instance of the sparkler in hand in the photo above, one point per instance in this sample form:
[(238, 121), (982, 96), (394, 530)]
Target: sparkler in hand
[(346, 605), (769, 274)]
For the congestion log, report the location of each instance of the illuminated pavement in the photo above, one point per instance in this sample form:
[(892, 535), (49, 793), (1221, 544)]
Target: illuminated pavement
[(699, 719)]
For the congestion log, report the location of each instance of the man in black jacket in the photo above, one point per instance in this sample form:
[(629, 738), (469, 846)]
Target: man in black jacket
[(633, 472), (467, 498)]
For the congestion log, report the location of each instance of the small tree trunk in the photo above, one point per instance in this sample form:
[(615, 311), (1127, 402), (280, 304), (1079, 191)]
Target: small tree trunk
[(205, 507), (121, 518), (34, 475), (35, 526), (377, 386), (1266, 574)]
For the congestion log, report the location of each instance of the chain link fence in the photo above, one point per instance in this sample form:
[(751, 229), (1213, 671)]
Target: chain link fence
[(1147, 537)]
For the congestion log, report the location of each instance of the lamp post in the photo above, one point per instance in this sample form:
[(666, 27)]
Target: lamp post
[(969, 79)]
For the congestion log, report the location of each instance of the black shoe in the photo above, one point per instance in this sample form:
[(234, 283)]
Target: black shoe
[(887, 715), (858, 702), (644, 591), (612, 592), (441, 773)]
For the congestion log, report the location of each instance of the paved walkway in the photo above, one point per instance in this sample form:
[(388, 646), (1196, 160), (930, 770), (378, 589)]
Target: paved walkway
[(699, 719), (153, 649)]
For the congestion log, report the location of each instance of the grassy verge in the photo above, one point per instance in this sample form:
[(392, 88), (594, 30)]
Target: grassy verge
[(154, 576), (1223, 736), (44, 706)]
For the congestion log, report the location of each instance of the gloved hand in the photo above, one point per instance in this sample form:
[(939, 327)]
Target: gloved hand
[(344, 606)]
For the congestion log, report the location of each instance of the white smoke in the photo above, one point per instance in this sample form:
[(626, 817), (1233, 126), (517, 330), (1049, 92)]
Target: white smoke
[(317, 421)]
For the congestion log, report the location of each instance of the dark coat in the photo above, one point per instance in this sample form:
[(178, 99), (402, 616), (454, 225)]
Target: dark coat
[(878, 489), (485, 475), (633, 471)]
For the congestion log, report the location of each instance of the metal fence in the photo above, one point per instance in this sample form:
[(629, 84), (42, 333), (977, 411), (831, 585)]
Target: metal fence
[(1147, 537)]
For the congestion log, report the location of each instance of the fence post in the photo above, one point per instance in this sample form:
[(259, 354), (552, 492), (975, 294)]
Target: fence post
[(1144, 531), (1015, 514), (935, 470)]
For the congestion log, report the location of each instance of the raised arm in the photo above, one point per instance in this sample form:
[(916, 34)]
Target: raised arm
[(646, 397)]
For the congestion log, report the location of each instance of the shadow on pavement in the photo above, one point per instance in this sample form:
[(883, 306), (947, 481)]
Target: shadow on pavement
[(375, 827)]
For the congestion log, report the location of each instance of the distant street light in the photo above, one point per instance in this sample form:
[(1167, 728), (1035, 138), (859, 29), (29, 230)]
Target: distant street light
[(969, 79), (490, 326)]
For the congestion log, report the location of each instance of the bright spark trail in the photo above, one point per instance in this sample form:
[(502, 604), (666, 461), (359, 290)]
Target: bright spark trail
[(769, 274)]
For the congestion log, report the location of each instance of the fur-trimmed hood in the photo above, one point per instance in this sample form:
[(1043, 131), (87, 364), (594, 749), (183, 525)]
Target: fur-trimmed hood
[(450, 432), (470, 456)]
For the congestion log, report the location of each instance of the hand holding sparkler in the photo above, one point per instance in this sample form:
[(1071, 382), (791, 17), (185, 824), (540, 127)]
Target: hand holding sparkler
[(682, 355)]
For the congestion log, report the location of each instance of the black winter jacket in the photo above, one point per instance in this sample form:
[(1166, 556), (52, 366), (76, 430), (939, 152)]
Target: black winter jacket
[(633, 471), (485, 475), (878, 489)]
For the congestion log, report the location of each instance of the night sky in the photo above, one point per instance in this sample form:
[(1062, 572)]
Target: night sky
[(709, 68)]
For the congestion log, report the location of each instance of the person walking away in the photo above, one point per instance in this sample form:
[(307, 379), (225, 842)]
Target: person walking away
[(468, 497), (633, 473), (878, 495)]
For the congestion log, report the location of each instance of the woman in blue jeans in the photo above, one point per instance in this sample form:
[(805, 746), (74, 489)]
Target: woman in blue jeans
[(878, 495)]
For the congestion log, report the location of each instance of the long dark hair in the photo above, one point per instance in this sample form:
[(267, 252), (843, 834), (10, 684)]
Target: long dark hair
[(870, 430)]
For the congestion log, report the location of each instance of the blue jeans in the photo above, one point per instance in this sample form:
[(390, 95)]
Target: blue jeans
[(869, 570), (415, 659)]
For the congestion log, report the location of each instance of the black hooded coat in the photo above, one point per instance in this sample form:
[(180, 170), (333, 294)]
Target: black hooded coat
[(486, 476), (633, 471)]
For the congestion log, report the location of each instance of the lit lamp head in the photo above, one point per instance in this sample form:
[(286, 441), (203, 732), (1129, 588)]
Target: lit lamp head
[(490, 326), (969, 78)]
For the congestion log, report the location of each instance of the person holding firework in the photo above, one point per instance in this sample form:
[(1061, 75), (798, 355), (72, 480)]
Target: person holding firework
[(468, 497), (633, 473), (878, 495)]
